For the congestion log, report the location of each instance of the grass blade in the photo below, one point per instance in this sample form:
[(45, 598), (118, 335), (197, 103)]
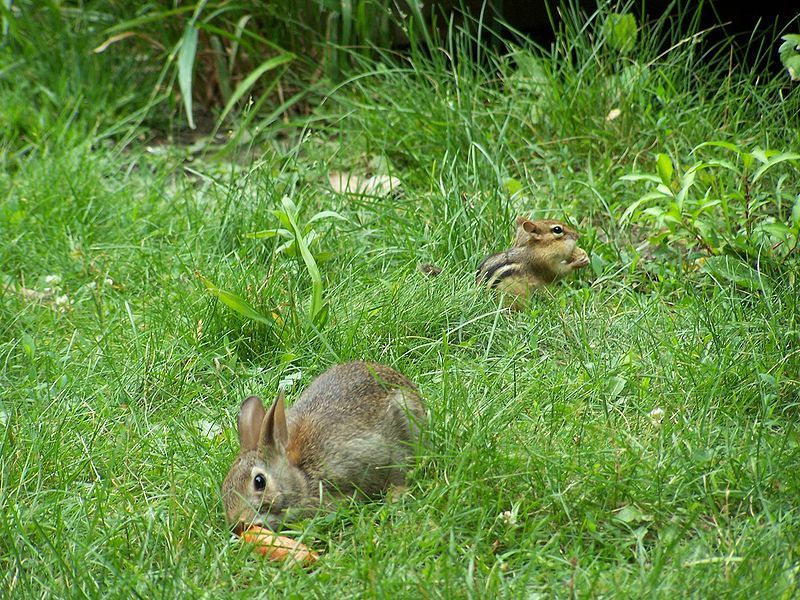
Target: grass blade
[(186, 55), (250, 80), (234, 301)]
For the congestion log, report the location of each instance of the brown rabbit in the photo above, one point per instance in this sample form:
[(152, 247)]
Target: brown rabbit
[(351, 432)]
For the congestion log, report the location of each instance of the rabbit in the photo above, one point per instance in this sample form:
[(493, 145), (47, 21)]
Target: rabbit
[(351, 433)]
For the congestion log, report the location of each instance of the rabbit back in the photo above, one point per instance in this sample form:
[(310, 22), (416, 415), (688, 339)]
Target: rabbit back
[(355, 428)]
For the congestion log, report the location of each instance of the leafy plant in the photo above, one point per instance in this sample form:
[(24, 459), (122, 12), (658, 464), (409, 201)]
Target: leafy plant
[(620, 31), (234, 301), (700, 207), (215, 51), (298, 243), (221, 53), (789, 52)]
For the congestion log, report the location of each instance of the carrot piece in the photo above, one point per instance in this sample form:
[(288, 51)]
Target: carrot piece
[(277, 547)]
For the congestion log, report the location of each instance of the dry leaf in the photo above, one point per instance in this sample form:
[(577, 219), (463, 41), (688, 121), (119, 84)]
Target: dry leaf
[(377, 185)]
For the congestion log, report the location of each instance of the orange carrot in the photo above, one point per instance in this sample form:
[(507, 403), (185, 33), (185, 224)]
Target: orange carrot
[(277, 547)]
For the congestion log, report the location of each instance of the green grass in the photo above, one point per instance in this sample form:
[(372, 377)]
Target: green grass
[(547, 472)]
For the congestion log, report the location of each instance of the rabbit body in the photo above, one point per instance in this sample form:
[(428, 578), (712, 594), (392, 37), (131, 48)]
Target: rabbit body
[(352, 432)]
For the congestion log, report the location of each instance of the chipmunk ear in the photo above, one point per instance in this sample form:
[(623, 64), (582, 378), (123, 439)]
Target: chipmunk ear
[(529, 227)]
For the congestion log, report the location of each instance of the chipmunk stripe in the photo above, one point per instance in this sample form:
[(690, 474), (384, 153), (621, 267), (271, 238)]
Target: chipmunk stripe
[(490, 264), (497, 273), (503, 272)]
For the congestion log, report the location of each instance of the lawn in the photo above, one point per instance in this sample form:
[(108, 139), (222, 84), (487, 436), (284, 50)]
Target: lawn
[(633, 433)]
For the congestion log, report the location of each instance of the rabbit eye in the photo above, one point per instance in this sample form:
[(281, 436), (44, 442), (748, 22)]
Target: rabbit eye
[(558, 230), (260, 482)]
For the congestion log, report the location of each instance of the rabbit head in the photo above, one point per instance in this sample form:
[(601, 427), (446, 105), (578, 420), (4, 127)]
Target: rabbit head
[(262, 487)]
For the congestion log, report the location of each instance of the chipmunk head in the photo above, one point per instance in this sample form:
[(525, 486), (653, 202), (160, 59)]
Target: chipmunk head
[(553, 238)]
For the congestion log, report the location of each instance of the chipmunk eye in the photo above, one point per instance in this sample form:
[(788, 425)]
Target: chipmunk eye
[(260, 482), (558, 230)]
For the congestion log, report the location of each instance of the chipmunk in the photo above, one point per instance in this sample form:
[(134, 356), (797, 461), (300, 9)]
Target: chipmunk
[(543, 252)]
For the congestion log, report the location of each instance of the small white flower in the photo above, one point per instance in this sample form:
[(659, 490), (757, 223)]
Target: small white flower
[(509, 518), (208, 428), (613, 114), (62, 300), (52, 279), (289, 380), (109, 281), (656, 416)]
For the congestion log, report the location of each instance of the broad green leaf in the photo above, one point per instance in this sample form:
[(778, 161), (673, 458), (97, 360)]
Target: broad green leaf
[(268, 233), (234, 301), (311, 265), (289, 247), (734, 270), (664, 190), (775, 160), (707, 205), (637, 203), (664, 168), (289, 207), (714, 162), (792, 64), (721, 144), (641, 177), (762, 155), (778, 230), (796, 213), (250, 80), (631, 514), (283, 218), (28, 345), (620, 31), (789, 52), (791, 41), (512, 185), (186, 55), (322, 257), (614, 386), (325, 214), (686, 184), (320, 318), (669, 217), (655, 211)]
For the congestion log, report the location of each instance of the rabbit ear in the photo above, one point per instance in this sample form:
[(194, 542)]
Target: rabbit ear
[(274, 431), (251, 416)]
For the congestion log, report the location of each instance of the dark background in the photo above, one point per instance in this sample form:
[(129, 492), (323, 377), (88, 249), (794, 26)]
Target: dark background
[(738, 20)]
